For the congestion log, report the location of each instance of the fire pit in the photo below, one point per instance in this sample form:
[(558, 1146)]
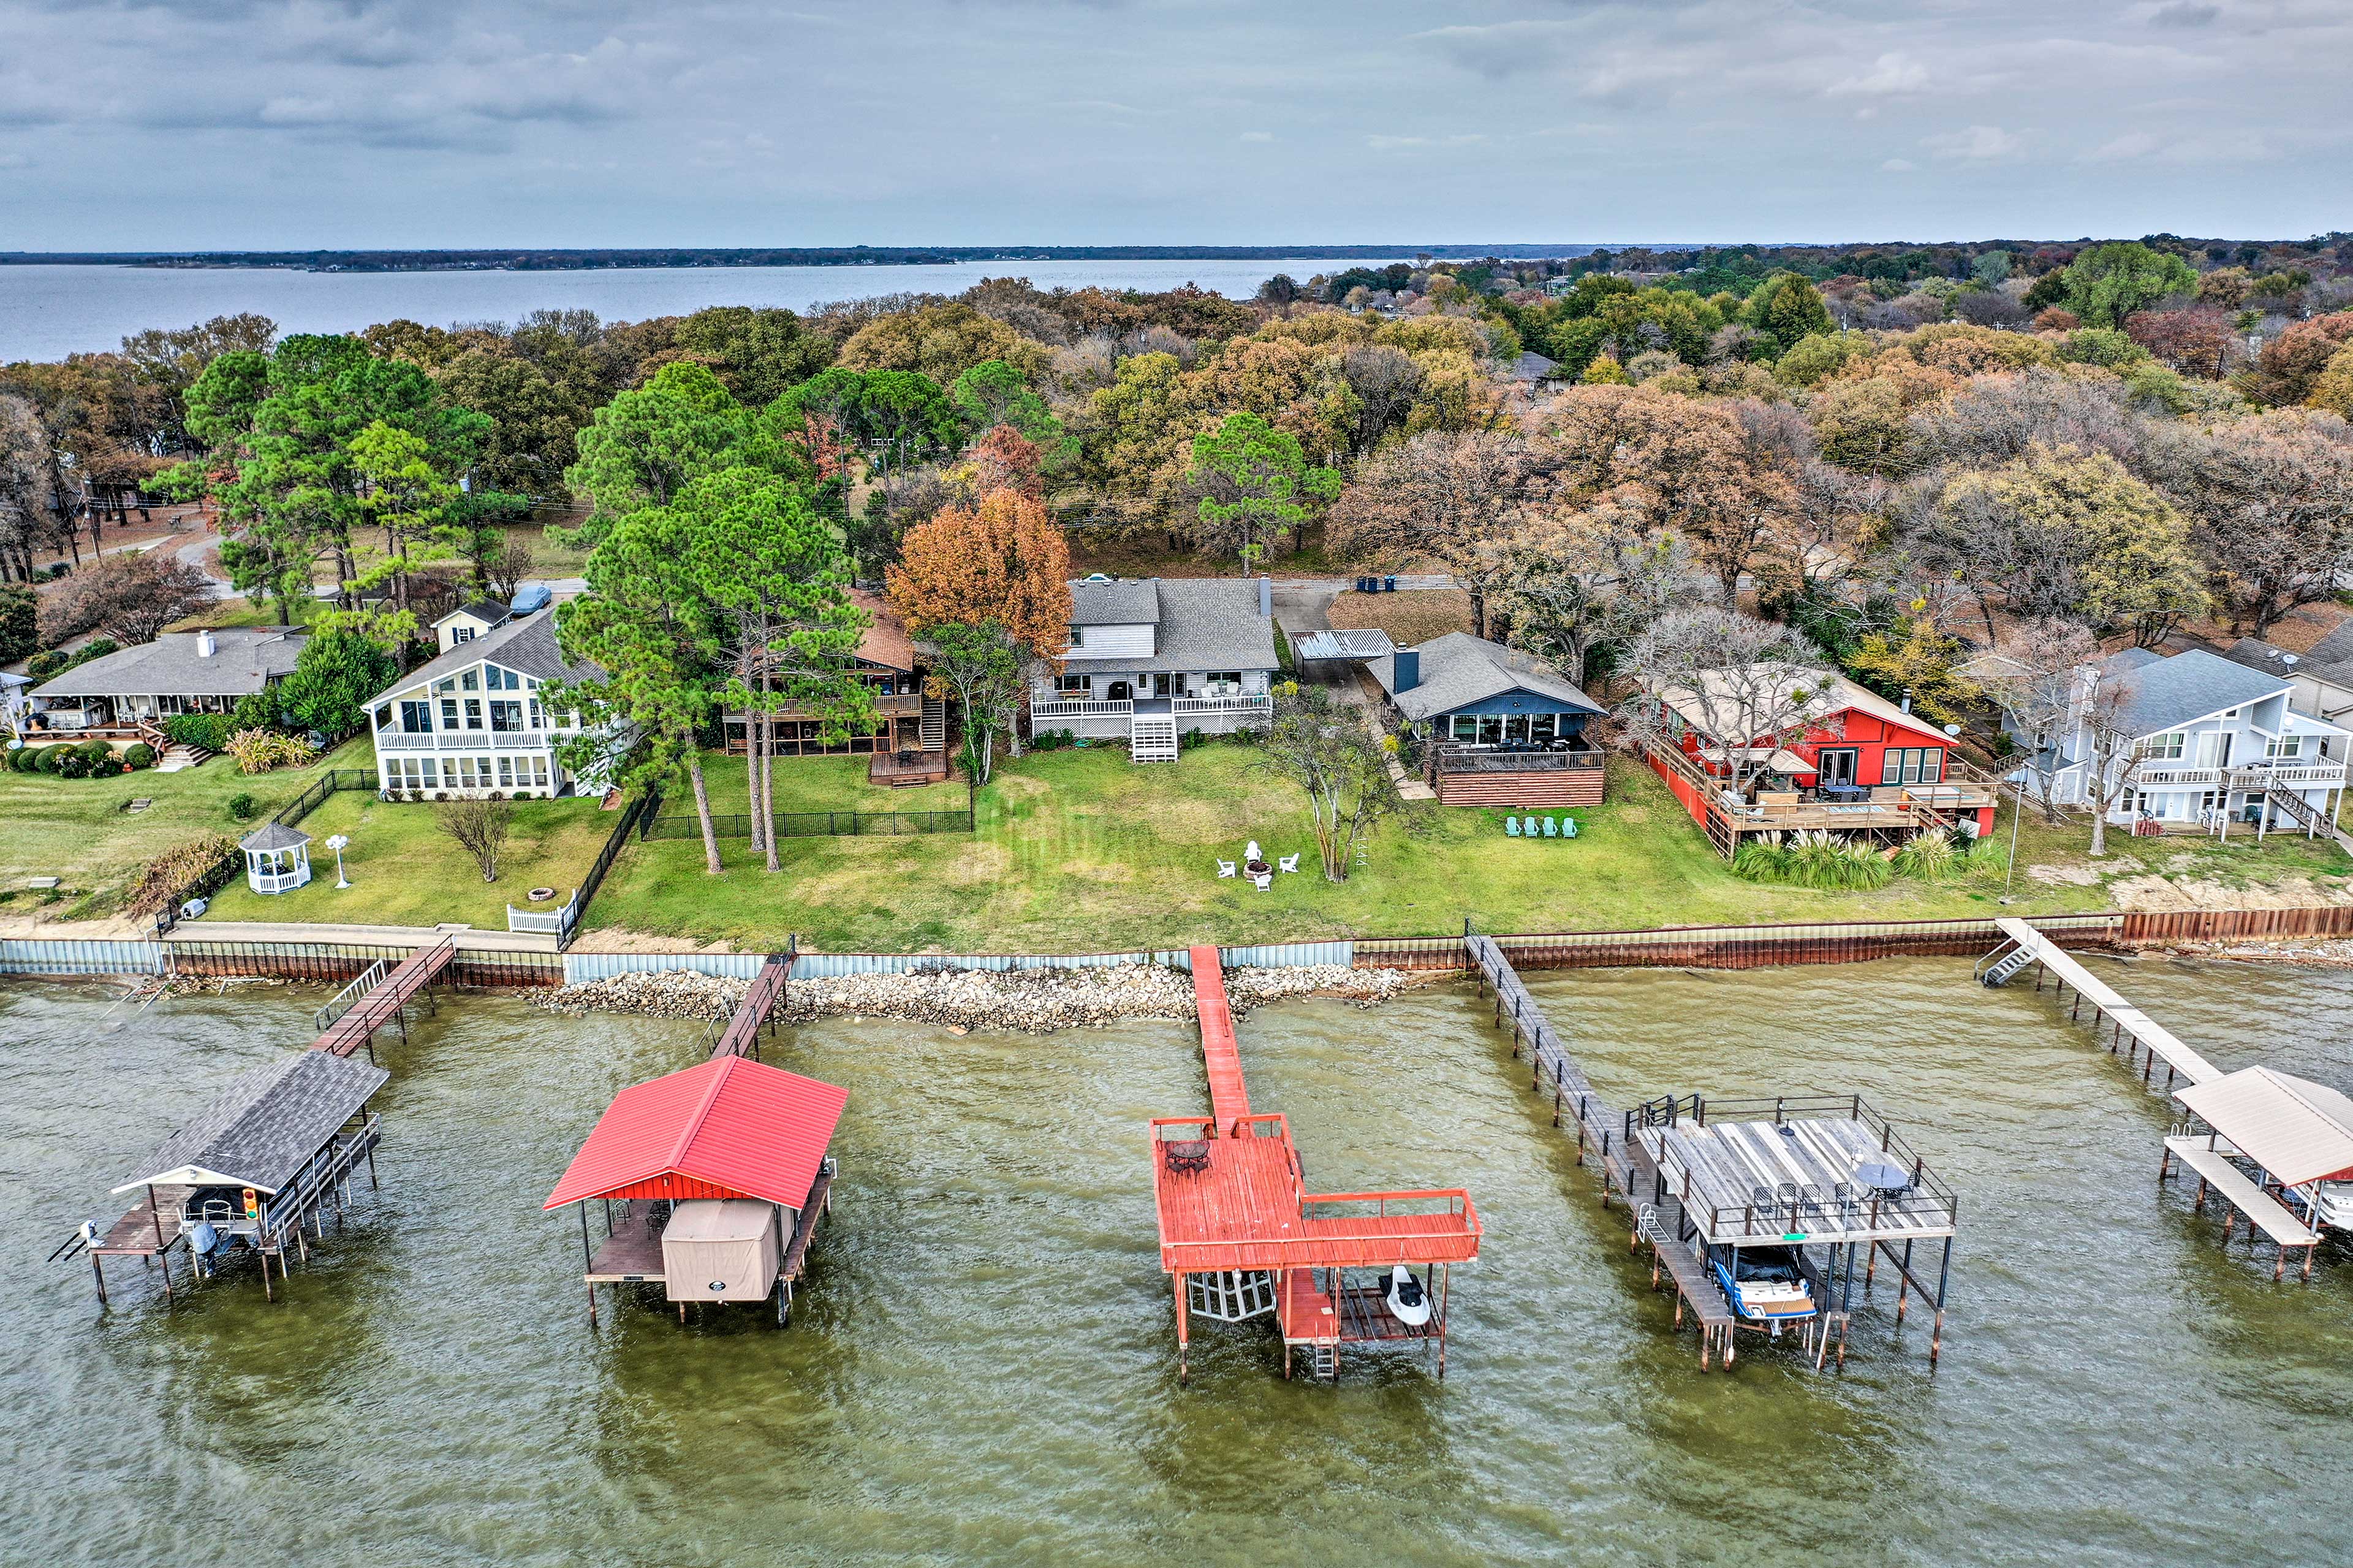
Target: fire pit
[(1257, 868), (541, 895)]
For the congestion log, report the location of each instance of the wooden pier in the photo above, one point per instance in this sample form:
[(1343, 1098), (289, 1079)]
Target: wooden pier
[(1241, 1237), (2139, 1038), (385, 1002), (1691, 1195), (740, 1034)]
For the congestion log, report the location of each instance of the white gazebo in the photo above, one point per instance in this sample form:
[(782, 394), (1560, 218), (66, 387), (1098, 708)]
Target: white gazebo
[(277, 858)]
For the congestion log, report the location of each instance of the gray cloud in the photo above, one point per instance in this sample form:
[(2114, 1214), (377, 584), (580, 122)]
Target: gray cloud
[(384, 122)]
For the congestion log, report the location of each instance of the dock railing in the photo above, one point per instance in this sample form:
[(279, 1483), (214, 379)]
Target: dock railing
[(1925, 1200)]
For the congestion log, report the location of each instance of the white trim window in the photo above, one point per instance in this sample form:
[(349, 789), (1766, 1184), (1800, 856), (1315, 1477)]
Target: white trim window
[(460, 633), (2165, 748), (1077, 686), (2283, 749), (1912, 765)]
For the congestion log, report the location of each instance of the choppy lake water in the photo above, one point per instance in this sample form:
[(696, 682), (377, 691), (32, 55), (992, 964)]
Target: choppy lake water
[(981, 1368), (47, 312)]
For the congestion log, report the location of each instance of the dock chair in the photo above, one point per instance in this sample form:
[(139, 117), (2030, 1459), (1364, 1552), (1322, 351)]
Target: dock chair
[(1845, 1198), (1551, 830), (1288, 863), (1263, 881), (1528, 828), (1568, 828), (1227, 869), (1785, 1199), (1511, 826)]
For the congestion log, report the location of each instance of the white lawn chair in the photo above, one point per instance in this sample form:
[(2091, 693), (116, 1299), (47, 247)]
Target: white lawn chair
[(1250, 851), (1288, 863), (1227, 869), (1264, 879)]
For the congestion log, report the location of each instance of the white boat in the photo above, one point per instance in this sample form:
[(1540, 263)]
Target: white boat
[(1408, 1303)]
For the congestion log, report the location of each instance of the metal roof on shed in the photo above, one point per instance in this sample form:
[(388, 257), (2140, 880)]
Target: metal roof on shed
[(2298, 1129), (1343, 643), (729, 1124)]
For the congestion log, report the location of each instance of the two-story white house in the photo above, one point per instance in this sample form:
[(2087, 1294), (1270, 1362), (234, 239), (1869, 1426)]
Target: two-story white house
[(472, 722), (2213, 741), (1152, 658)]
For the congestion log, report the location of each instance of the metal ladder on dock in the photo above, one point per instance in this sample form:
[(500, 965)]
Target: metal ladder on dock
[(1324, 1363), (2003, 964), (935, 731)]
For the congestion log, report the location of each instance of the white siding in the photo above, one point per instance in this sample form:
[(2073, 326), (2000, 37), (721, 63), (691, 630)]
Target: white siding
[(1111, 642)]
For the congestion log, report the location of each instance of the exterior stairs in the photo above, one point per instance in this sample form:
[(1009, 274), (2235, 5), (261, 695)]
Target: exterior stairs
[(2007, 967), (173, 756), (1152, 738), (935, 724)]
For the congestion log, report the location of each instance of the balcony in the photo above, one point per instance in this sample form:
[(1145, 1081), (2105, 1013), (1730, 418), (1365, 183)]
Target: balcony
[(464, 740), (1241, 703), (1076, 707), (1463, 759)]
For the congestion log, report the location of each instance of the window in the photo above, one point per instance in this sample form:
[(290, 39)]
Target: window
[(506, 773), (1466, 726), (460, 634), (1073, 684), (499, 680), (1912, 764), (538, 716), (1544, 727), (1230, 680), (416, 718), (506, 716), (448, 713), (1491, 728), (468, 681), (1078, 637), (473, 712), (384, 717), (2287, 748), (2163, 748), (443, 686)]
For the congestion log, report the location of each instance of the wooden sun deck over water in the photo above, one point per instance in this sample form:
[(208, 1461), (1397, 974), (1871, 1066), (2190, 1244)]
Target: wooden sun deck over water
[(1763, 1181), (140, 1233), (633, 1253)]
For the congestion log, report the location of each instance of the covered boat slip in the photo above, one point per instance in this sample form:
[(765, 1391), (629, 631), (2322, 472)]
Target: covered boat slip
[(2274, 1140), (274, 1150)]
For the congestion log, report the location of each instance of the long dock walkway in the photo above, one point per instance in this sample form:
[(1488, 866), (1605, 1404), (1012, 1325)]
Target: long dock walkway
[(2140, 1037), (1228, 1097), (740, 1036), (1626, 1166), (384, 1003)]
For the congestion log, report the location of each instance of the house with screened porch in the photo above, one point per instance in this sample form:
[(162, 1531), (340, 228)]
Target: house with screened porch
[(473, 721)]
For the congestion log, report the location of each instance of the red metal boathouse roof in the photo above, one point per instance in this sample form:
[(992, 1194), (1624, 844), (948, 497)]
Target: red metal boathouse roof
[(727, 1128)]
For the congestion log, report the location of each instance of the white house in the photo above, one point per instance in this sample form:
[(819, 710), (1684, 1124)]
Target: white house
[(471, 721), (2212, 741), (1149, 659), (2322, 676)]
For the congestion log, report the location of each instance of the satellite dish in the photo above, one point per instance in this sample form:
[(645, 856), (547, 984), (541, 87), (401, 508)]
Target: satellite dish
[(2288, 658)]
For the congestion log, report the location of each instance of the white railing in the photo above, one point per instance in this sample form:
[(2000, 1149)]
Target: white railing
[(2288, 775), (2148, 777), (403, 740), (1059, 708), (554, 922), (1245, 703), (462, 741)]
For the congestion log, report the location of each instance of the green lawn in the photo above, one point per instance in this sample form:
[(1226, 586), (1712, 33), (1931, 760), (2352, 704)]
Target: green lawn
[(1083, 851), (405, 872)]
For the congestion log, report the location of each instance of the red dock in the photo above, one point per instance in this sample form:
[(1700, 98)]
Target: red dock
[(1242, 1237)]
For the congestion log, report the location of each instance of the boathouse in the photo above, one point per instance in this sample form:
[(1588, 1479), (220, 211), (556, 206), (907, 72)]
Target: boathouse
[(267, 1157), (2277, 1148), (1242, 1237), (710, 1181)]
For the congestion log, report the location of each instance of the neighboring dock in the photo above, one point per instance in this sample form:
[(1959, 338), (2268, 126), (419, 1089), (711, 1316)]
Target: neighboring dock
[(1241, 1237), (379, 997), (1820, 1179), (2130, 1030)]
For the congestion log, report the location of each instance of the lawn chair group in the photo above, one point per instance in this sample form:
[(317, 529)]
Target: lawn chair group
[(1564, 829)]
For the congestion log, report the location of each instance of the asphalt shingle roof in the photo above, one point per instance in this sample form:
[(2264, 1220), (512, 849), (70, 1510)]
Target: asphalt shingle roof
[(261, 1129), (1203, 624), (1117, 603), (1458, 670), (527, 647), (2164, 694), (273, 835), (244, 659)]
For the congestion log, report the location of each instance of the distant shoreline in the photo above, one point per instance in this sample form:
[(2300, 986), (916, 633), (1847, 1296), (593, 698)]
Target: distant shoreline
[(558, 260)]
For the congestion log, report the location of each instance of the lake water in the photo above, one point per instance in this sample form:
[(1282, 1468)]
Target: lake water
[(981, 1367), (47, 312)]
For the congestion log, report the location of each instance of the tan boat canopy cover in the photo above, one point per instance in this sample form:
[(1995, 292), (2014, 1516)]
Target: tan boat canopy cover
[(2298, 1131)]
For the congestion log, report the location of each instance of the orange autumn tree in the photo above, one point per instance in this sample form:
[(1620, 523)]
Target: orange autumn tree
[(1001, 561)]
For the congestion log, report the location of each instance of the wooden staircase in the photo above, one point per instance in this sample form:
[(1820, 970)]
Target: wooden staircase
[(1152, 738), (935, 724)]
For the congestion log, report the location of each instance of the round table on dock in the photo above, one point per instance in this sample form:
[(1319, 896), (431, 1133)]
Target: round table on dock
[(1882, 1177)]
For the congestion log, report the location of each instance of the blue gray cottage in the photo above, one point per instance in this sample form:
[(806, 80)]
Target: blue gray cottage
[(1503, 727)]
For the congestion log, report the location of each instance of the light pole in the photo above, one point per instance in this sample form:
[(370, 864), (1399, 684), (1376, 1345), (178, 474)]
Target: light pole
[(336, 844)]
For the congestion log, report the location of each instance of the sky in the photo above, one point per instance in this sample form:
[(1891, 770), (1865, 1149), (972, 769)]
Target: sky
[(268, 124)]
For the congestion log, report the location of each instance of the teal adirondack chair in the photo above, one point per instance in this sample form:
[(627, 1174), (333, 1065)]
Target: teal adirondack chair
[(1568, 828), (1550, 830), (1511, 826)]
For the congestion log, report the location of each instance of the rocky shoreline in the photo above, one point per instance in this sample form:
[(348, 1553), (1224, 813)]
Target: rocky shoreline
[(1026, 1001)]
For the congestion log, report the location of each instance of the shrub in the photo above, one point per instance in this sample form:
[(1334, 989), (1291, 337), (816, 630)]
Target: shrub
[(97, 647), (70, 764), (179, 873), (140, 755), (1763, 858), (258, 751), (256, 711), (1827, 863), (1931, 856), (243, 806), (45, 665), (94, 750), (48, 757), (20, 760), (206, 731)]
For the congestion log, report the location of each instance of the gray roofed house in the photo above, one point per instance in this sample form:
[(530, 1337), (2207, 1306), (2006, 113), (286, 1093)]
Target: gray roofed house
[(1115, 602), (264, 1127), (1458, 670), (1150, 659), (475, 720), (179, 672), (2163, 694), (1196, 622), (2322, 676), (527, 647)]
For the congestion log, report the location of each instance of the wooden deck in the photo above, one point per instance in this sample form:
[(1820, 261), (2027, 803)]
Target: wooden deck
[(903, 769), (1228, 1097), (1764, 1181), (140, 1233), (382, 1005), (741, 1035)]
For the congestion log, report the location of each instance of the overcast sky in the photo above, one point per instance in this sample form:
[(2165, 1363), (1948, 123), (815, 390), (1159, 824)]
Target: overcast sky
[(297, 124)]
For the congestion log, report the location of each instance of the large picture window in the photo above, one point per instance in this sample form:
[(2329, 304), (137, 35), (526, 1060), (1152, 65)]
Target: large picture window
[(415, 719), (1912, 764), (2164, 748), (1073, 684)]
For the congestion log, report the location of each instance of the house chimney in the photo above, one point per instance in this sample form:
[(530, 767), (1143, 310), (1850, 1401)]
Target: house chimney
[(206, 645), (1265, 594), (1405, 668), (1907, 700)]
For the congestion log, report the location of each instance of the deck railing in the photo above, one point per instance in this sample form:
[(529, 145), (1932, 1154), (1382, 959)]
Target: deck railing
[(1926, 1199), (1077, 708), (1457, 759)]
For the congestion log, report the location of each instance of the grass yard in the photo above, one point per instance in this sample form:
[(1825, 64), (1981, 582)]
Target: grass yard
[(79, 831), (405, 872), (1080, 850), (1409, 617)]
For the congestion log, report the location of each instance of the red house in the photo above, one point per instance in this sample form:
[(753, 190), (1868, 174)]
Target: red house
[(1857, 750)]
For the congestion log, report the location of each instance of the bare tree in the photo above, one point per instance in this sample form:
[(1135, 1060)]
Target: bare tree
[(131, 597), (2270, 501), (2039, 676), (2115, 755), (1597, 578), (1330, 754), (481, 828), (1454, 498), (1748, 688), (1384, 378)]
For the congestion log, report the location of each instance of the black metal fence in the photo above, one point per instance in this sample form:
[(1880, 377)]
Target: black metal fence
[(818, 823), (633, 815)]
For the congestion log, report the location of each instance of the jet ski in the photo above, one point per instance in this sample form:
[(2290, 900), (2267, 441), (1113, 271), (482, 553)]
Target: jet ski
[(1407, 1301)]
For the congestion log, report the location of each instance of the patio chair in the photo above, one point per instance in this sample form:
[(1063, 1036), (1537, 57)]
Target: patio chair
[(1551, 830), (1844, 1198), (1528, 828), (1511, 826), (1264, 879), (1568, 828), (1227, 869), (1288, 863)]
